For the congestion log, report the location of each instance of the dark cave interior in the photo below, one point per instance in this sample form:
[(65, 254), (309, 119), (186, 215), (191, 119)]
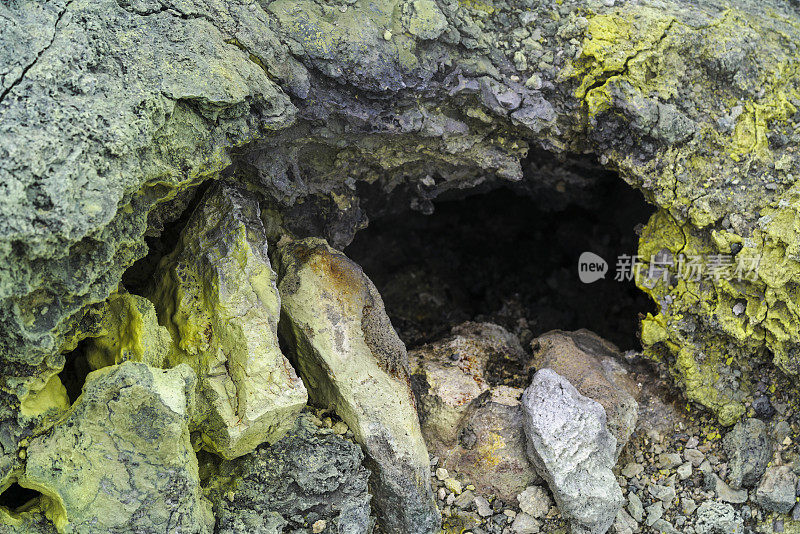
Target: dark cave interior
[(500, 257)]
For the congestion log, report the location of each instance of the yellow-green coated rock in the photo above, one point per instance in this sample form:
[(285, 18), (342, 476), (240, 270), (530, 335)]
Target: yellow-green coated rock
[(217, 296), (352, 360), (130, 332), (121, 459)]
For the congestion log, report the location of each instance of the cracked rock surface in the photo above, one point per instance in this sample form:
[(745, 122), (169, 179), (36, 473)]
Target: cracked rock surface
[(218, 296), (256, 125), (112, 110), (353, 361)]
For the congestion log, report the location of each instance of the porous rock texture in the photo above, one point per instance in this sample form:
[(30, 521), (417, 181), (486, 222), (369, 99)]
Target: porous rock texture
[(113, 111), (121, 460), (309, 475), (749, 450), (352, 361), (574, 452)]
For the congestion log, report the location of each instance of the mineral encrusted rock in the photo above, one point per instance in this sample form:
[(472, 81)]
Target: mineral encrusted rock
[(217, 295), (749, 450), (590, 364), (111, 113), (572, 449), (352, 361), (121, 460), (491, 447), (129, 331), (718, 518), (310, 474), (473, 426)]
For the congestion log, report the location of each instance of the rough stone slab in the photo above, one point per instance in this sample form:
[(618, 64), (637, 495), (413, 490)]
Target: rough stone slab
[(217, 295), (352, 360)]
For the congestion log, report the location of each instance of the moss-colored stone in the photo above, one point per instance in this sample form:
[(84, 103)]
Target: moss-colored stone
[(109, 463), (217, 296), (130, 331)]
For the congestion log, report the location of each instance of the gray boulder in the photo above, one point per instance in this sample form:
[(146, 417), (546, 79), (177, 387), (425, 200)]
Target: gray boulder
[(777, 490), (749, 450), (310, 475), (590, 363), (571, 447)]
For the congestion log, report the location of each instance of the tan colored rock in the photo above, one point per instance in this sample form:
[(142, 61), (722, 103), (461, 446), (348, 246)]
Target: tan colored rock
[(450, 373), (352, 360), (490, 451), (217, 295), (590, 363), (475, 429)]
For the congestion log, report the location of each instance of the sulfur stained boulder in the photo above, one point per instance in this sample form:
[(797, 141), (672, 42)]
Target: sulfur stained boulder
[(491, 447), (121, 460), (129, 330), (217, 295), (352, 360), (471, 424), (310, 475), (590, 363)]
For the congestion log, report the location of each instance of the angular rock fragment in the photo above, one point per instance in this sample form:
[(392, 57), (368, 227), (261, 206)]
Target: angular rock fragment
[(749, 450), (129, 330), (217, 295), (309, 475), (571, 447), (777, 490), (588, 362), (121, 461), (353, 361)]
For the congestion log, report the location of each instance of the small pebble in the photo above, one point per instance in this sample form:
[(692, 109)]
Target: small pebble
[(483, 507), (319, 526), (453, 485)]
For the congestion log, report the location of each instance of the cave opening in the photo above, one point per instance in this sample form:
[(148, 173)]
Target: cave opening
[(510, 256), (18, 499), (76, 368)]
